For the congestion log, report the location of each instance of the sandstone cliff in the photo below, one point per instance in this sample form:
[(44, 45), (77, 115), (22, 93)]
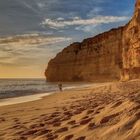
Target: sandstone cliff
[(112, 55), (131, 47)]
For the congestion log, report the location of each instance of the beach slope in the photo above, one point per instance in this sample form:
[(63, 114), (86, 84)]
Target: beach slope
[(107, 112)]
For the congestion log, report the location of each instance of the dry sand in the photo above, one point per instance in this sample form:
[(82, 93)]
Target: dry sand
[(109, 112)]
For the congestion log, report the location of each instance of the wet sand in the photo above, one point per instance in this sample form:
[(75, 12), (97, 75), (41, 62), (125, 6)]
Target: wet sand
[(107, 112), (23, 99)]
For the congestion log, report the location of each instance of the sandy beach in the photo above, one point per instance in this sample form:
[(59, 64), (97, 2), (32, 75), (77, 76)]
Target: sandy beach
[(107, 112)]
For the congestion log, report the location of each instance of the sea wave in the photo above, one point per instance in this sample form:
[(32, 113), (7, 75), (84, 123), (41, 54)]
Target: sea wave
[(22, 87)]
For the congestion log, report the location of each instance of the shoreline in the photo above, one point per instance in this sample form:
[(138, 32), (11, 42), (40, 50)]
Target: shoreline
[(39, 96), (23, 99)]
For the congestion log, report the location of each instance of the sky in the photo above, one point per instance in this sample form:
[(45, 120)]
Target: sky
[(34, 31)]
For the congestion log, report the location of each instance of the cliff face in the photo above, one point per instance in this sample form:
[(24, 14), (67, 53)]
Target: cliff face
[(131, 47), (112, 55), (96, 58)]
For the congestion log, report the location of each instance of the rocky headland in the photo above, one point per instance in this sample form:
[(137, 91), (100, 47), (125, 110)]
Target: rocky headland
[(113, 55)]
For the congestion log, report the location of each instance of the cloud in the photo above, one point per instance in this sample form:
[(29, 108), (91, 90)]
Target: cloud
[(78, 21), (60, 19), (95, 11), (88, 28), (32, 40), (29, 49)]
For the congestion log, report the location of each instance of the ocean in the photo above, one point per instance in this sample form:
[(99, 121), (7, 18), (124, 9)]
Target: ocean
[(22, 87)]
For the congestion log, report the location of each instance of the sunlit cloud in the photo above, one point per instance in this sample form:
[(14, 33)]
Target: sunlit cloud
[(28, 49), (31, 39), (78, 21)]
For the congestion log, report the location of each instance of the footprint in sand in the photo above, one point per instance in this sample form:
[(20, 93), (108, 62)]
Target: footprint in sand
[(41, 124), (66, 118), (56, 124), (36, 132), (95, 105), (42, 132), (43, 115), (137, 114), (69, 137), (81, 138), (73, 122), (76, 112), (129, 125), (54, 115), (37, 109), (96, 112), (16, 126), (33, 119), (57, 113), (2, 134), (29, 132), (68, 113), (74, 126), (100, 108), (117, 104), (15, 119), (61, 130), (136, 107), (90, 111), (108, 118), (2, 119), (20, 138), (51, 136), (64, 108), (36, 125), (91, 126), (85, 121), (86, 117), (47, 119), (55, 120)]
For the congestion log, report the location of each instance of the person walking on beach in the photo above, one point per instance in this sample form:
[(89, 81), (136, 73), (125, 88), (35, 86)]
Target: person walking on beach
[(60, 86)]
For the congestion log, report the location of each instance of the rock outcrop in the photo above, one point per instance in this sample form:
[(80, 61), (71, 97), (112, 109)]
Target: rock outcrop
[(112, 55), (131, 47)]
